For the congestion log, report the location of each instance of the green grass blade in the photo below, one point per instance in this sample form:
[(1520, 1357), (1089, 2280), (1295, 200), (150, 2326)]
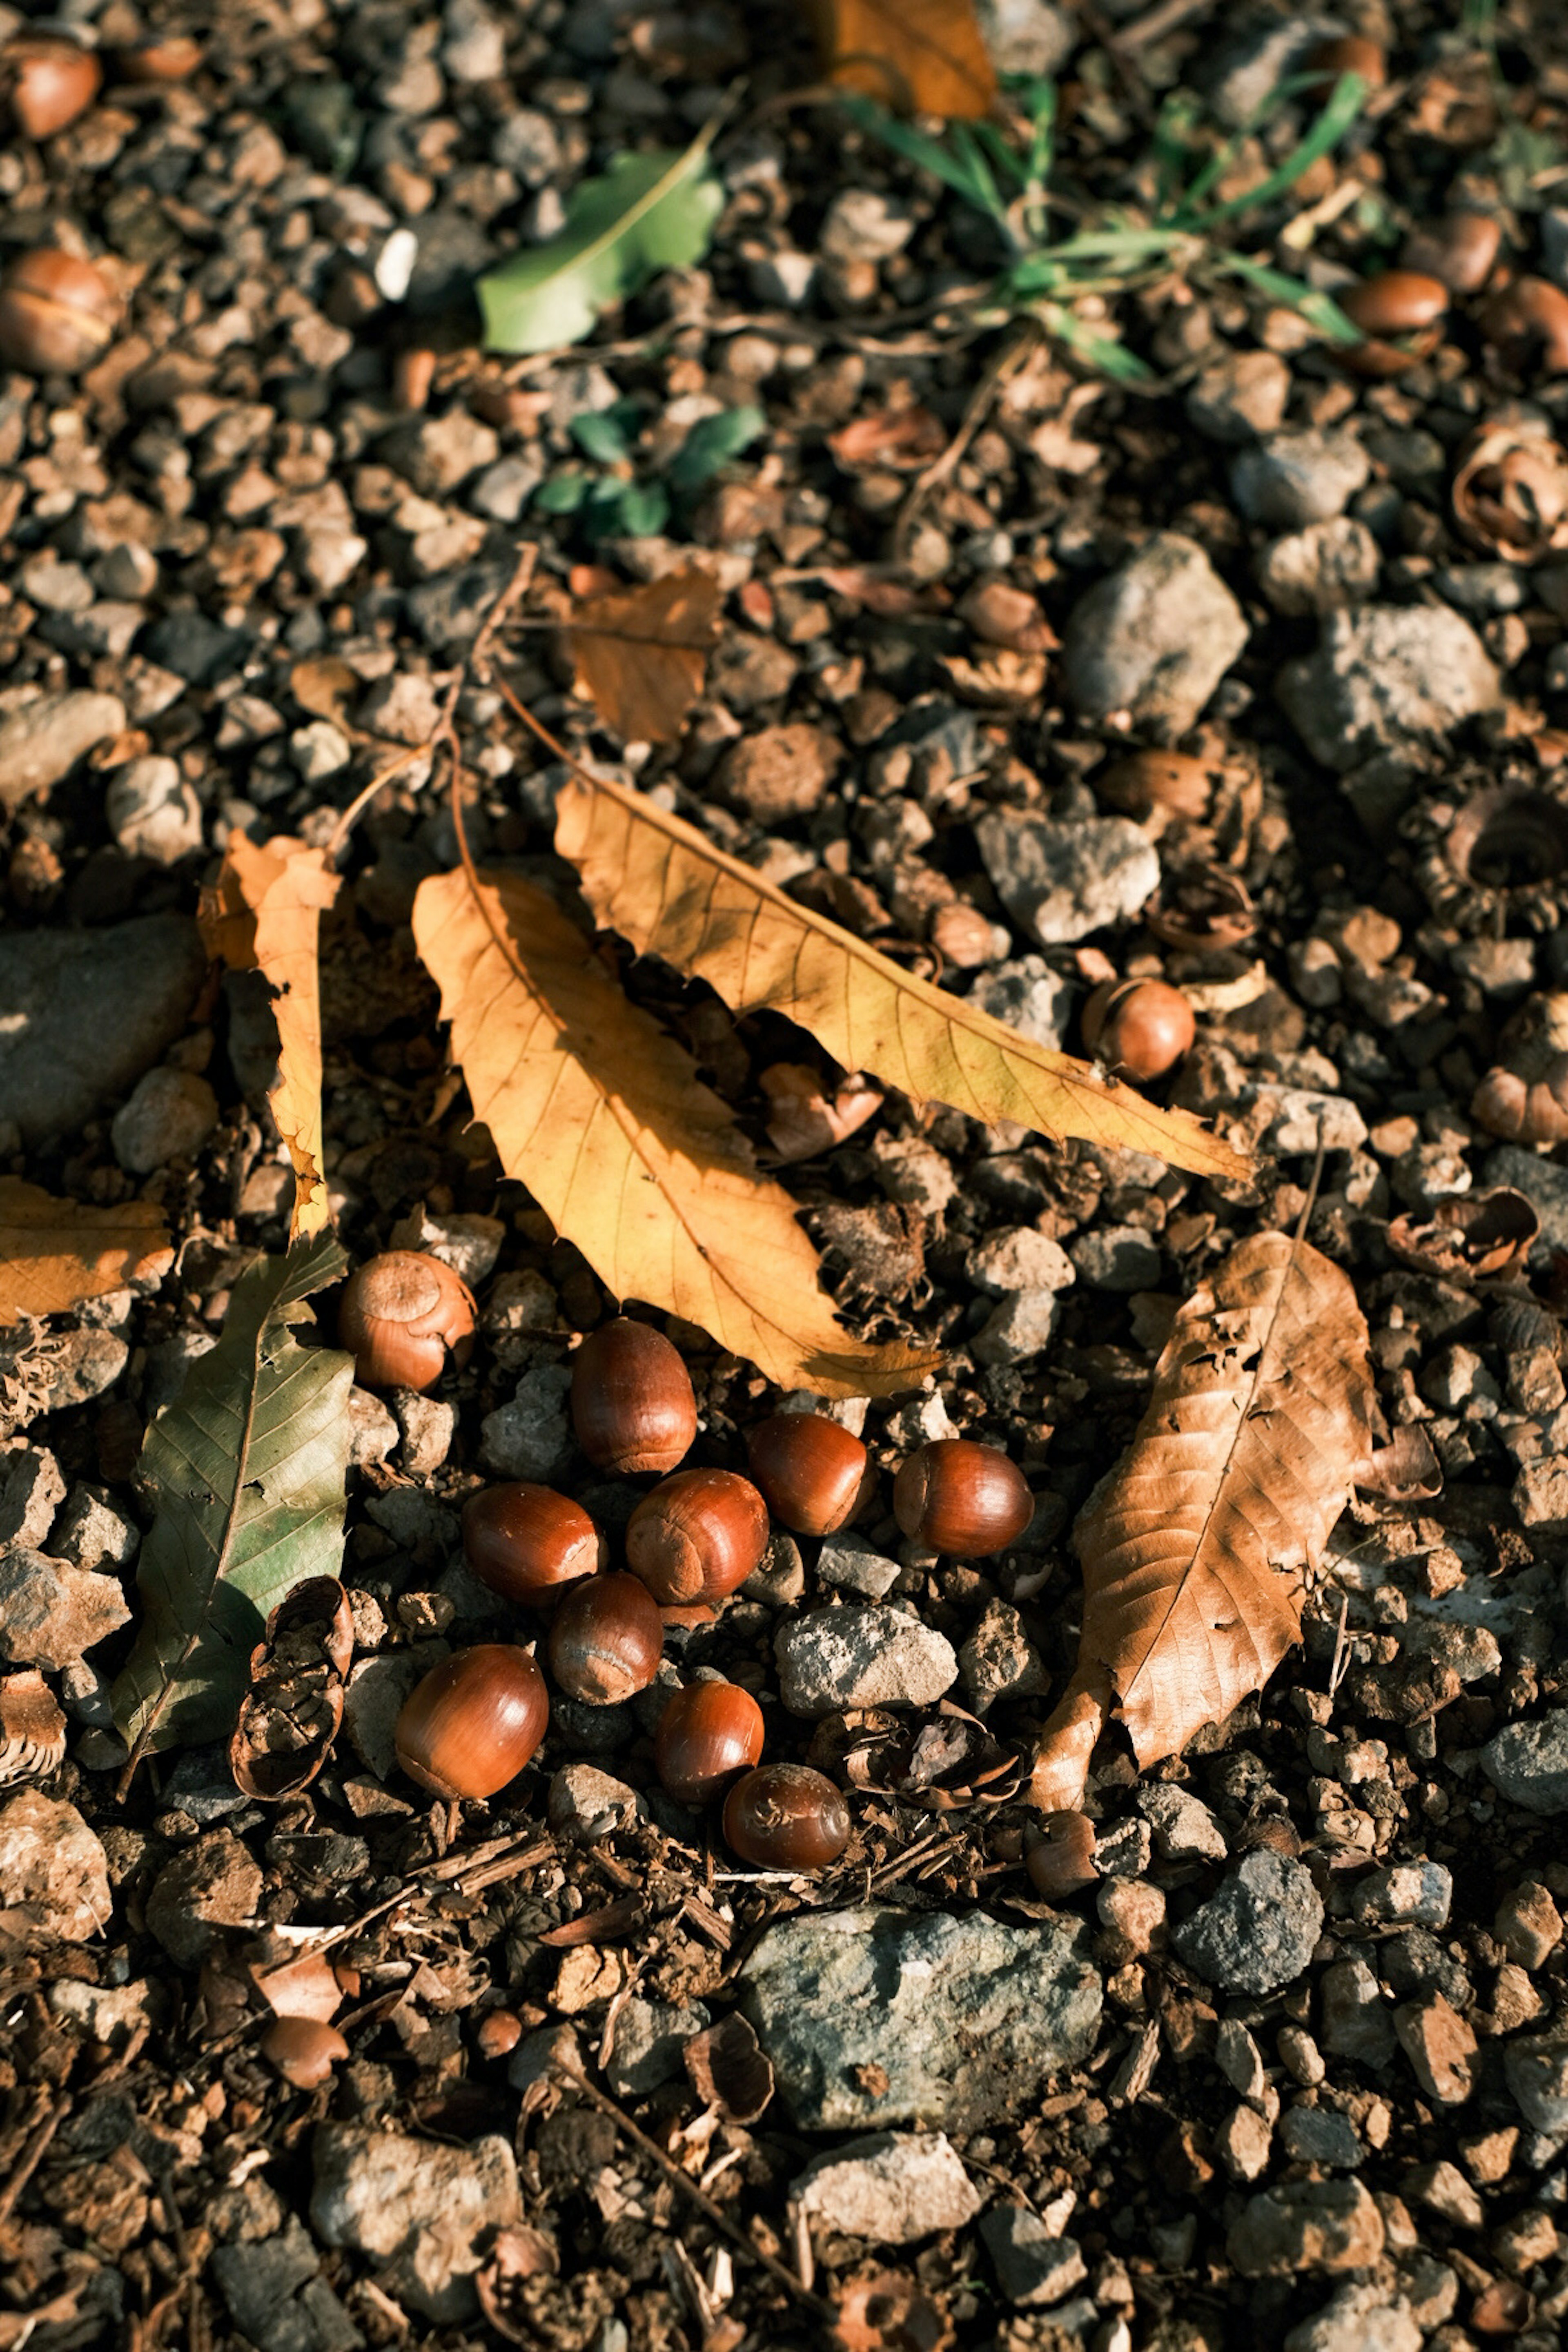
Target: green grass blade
[(1344, 105)]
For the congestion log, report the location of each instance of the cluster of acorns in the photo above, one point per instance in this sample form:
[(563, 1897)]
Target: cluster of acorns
[(472, 1724)]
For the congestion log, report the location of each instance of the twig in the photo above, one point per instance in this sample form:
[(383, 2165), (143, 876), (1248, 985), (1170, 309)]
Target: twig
[(30, 2159), (679, 2180), (1003, 368), (1339, 1665)]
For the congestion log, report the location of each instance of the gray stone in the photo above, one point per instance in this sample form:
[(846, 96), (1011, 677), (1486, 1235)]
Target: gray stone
[(81, 1365), (474, 45), (649, 2038), (891, 2188), (849, 1563), (32, 1492), (1062, 879), (1033, 2268), (1026, 37), (1409, 1894), (1121, 1258), (1544, 1185), (170, 1116), (152, 812), (206, 1887), (1153, 639), (1357, 2318), (1020, 1326), (1357, 2021), (1294, 478), (877, 2017), (1184, 1829), (259, 2283), (1249, 66), (531, 1436), (1258, 1930), (1307, 2225), (41, 742), (53, 1867), (1483, 589), (200, 650), (1295, 1120), (1528, 1762), (1240, 395), (585, 1802), (419, 2207), (1321, 2136), (86, 1011), (1384, 677), (864, 224), (50, 1612), (448, 612), (778, 1580), (1019, 1257), (999, 1660), (1536, 2068), (1322, 569), (835, 1658), (1030, 996)]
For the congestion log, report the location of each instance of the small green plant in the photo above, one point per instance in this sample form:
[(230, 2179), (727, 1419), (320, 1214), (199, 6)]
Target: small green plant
[(612, 499), (1185, 233)]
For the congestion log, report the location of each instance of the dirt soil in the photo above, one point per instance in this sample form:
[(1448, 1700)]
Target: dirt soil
[(268, 522)]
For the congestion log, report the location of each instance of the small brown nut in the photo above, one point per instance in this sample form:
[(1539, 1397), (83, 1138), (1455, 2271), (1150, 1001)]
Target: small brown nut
[(1140, 1028), (400, 1316), (1528, 324), (1459, 250), (1524, 1099), (161, 57), (1406, 303), (1147, 780), (497, 2033), (1511, 489), (303, 2050), (57, 314), (52, 82)]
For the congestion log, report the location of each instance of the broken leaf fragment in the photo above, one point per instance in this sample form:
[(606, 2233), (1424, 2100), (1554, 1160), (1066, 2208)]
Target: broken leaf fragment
[(918, 56), (54, 1253), (601, 1116), (640, 654), (289, 1717)]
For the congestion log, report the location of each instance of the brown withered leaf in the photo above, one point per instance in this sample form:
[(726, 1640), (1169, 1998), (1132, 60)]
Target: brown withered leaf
[(601, 1116), (1470, 1235), (640, 654), (1193, 1550), (901, 439), (54, 1253), (919, 57), (1406, 1470), (728, 2069), (802, 1120), (665, 887), (322, 687), (264, 913), (289, 1717)]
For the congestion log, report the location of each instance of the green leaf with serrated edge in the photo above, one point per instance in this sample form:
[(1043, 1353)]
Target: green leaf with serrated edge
[(646, 214), (247, 1471)]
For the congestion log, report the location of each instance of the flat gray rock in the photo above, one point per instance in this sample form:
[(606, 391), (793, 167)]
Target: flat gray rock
[(1321, 569), (861, 1657), (1030, 996), (1386, 677), (86, 1011), (1294, 478), (1258, 1930), (876, 2017), (1153, 639), (1033, 2269), (1528, 1762), (891, 2188), (1063, 878), (649, 2038), (422, 2207), (42, 741)]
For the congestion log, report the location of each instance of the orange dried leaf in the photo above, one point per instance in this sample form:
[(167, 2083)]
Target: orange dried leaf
[(919, 57), (641, 653), (264, 913), (601, 1116), (54, 1253), (1259, 1426), (322, 687), (665, 887), (898, 437)]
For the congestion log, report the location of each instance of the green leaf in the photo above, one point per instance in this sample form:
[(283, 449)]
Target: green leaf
[(564, 492), (644, 510), (646, 214), (247, 1472), (926, 154), (1320, 311), (600, 433), (1344, 104), (712, 443)]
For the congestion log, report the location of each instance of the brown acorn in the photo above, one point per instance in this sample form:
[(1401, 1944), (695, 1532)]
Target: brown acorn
[(57, 313)]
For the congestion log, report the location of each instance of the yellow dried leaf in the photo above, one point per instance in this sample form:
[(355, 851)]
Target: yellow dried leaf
[(640, 653), (921, 56), (54, 1253), (665, 887), (1257, 1427), (264, 913), (603, 1116)]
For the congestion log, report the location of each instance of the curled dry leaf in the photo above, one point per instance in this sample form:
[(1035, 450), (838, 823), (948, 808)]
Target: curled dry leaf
[(264, 913), (1406, 1470), (1511, 489), (888, 2311), (1470, 1237), (665, 887), (54, 1253), (640, 654), (603, 1116), (289, 1717), (307, 1986), (32, 1728), (1193, 1548), (919, 57), (802, 1121), (520, 2259), (728, 2069)]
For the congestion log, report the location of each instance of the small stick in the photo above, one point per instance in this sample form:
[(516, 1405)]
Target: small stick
[(679, 2180), (28, 2163)]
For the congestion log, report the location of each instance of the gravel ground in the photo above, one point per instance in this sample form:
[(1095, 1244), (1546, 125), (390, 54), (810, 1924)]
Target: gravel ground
[(1293, 2070)]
